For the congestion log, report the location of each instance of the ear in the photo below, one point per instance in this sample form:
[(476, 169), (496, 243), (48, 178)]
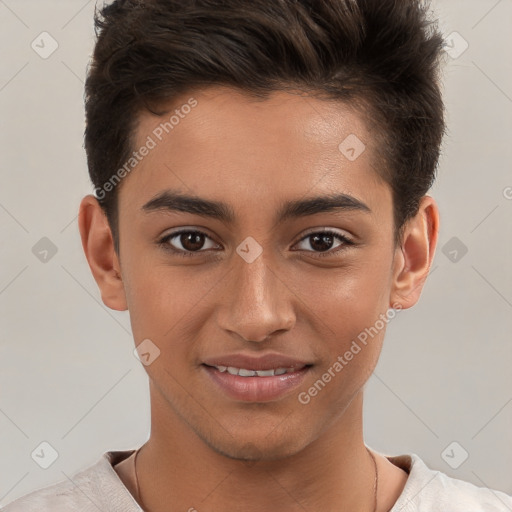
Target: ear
[(98, 245), (415, 254)]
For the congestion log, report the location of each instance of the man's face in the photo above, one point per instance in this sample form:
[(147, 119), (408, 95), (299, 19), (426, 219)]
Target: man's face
[(257, 284)]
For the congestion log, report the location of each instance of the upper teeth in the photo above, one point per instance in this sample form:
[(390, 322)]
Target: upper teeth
[(243, 372)]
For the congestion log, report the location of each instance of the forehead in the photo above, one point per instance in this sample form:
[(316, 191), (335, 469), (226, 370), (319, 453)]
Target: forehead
[(283, 120), (219, 141)]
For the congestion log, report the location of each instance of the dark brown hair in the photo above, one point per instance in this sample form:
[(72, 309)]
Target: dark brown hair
[(379, 56)]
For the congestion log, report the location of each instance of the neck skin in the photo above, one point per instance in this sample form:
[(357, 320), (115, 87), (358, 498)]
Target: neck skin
[(335, 472)]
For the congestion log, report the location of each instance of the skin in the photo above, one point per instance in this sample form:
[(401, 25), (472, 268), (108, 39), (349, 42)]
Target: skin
[(209, 451)]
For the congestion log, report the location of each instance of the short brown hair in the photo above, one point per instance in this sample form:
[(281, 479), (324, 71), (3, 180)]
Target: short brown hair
[(379, 55)]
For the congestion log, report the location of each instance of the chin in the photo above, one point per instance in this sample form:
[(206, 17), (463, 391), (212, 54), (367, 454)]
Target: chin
[(261, 448)]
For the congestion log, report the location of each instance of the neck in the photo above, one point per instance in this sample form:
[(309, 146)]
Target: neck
[(335, 471)]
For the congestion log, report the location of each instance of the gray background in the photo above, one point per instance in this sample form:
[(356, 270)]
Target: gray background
[(68, 375)]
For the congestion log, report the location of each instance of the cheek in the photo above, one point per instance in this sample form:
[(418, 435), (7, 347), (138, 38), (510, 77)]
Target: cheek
[(351, 312), (152, 301), (350, 299), (165, 303), (349, 353)]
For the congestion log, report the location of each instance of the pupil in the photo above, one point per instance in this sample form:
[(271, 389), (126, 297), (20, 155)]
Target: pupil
[(192, 241), (325, 242)]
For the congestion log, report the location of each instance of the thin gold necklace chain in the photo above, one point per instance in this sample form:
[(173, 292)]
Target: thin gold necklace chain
[(375, 485)]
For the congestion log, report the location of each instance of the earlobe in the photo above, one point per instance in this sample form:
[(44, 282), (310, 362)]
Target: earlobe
[(98, 245), (415, 255)]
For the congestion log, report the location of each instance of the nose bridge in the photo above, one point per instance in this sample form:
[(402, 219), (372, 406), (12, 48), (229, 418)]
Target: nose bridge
[(258, 302), (253, 284)]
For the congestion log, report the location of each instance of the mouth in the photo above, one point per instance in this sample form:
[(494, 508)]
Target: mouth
[(259, 380), (244, 372)]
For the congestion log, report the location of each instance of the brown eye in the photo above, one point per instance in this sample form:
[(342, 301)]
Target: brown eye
[(192, 241), (187, 242), (322, 242)]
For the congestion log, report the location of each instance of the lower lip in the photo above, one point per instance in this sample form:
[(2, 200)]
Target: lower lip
[(256, 389)]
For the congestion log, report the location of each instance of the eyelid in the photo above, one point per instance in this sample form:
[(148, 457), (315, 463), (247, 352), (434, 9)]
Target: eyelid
[(184, 230), (346, 240), (328, 231)]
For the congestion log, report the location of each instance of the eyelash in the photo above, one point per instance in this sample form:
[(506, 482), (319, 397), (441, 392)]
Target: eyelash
[(163, 242)]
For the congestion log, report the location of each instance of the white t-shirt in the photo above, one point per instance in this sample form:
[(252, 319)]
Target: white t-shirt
[(99, 488)]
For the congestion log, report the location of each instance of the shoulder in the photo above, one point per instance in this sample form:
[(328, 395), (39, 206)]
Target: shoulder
[(428, 490), (95, 488), (59, 497)]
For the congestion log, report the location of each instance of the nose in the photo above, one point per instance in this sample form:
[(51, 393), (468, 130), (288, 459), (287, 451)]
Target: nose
[(256, 301)]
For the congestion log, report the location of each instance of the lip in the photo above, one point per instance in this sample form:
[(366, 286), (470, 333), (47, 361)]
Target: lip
[(266, 362), (256, 389)]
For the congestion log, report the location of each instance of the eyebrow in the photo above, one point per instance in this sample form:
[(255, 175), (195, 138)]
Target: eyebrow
[(174, 201)]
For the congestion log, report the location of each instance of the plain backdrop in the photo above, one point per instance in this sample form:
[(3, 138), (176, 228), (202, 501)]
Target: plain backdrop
[(68, 375)]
